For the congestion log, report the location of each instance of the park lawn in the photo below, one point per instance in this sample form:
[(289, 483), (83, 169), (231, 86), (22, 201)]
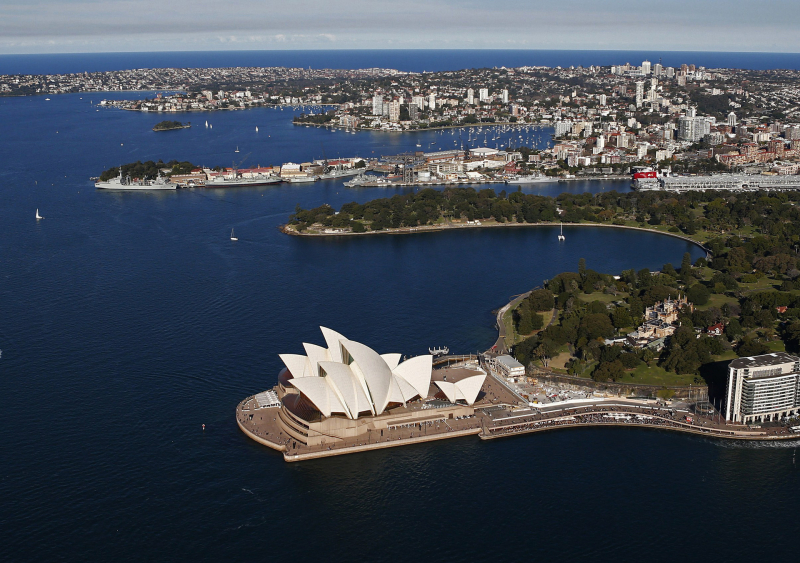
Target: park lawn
[(508, 322), (718, 300), (727, 356), (777, 346), (602, 297), (560, 352), (762, 284), (560, 361), (546, 317), (706, 273), (656, 375)]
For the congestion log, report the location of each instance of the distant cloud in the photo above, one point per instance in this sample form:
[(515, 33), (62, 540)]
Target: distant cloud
[(152, 25)]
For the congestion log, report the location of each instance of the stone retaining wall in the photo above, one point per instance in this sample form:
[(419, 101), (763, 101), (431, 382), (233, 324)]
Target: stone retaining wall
[(621, 389)]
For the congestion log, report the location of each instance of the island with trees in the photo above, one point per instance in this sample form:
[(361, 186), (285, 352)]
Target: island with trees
[(168, 125)]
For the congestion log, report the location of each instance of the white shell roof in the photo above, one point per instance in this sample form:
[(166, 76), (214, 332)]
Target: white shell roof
[(368, 383), (465, 390), (417, 371), (298, 365)]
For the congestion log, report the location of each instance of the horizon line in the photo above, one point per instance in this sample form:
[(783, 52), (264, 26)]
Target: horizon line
[(400, 49)]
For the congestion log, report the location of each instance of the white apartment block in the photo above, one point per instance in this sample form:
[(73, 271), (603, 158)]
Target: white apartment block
[(763, 388), (377, 105)]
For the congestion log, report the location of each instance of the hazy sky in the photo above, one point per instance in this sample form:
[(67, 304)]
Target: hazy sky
[(47, 26)]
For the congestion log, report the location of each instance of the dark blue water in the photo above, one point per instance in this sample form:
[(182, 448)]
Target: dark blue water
[(409, 60), (128, 320)]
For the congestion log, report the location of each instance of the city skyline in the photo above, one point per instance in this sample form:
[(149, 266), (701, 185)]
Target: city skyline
[(53, 26)]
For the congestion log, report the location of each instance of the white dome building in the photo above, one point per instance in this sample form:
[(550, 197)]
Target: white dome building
[(347, 394), (352, 379)]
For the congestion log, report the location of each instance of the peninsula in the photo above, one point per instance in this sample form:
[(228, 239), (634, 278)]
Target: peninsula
[(697, 348)]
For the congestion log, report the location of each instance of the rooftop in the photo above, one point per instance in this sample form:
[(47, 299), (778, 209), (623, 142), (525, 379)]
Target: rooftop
[(763, 361), (509, 362)]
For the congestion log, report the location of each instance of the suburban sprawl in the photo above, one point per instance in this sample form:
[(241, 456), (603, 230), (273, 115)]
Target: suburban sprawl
[(664, 123)]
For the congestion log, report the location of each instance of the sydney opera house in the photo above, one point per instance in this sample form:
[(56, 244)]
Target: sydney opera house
[(339, 392)]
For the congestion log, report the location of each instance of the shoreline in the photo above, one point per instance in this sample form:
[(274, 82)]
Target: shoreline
[(438, 228), (460, 126), (567, 417), (739, 435)]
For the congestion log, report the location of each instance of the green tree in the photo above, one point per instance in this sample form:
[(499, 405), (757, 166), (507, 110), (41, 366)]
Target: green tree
[(597, 325), (541, 300), (698, 294), (752, 347), (686, 267), (621, 318), (609, 371)]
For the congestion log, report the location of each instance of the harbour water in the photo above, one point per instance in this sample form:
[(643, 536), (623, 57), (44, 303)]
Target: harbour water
[(128, 320)]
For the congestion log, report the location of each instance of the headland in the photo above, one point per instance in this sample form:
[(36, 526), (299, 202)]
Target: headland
[(319, 414)]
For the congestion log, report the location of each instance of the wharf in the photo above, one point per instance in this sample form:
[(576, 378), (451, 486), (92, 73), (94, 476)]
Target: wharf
[(387, 184)]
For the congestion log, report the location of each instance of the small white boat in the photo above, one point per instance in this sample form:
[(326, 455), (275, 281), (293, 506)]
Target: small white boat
[(233, 237), (206, 123), (237, 149), (38, 216), (256, 128), (561, 236)]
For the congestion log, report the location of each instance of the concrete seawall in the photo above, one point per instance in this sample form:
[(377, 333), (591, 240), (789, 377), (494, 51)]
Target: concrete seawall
[(616, 388), (379, 445), (699, 431), (259, 439), (451, 227)]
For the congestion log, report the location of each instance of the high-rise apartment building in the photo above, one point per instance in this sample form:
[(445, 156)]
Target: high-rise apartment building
[(645, 67), (763, 388), (483, 94), (377, 105), (692, 128), (394, 111), (639, 94)]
